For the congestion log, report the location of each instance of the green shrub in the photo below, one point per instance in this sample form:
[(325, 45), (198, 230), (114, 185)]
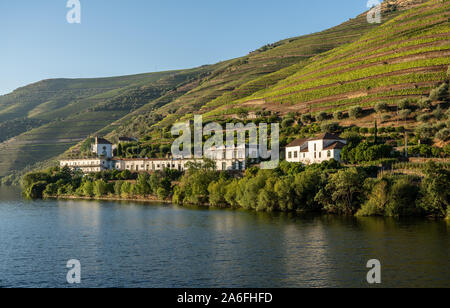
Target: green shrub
[(322, 116), (306, 118), (438, 113), (100, 188), (338, 115), (381, 107), (434, 190), (443, 134), (425, 117), (440, 93), (385, 118), (403, 195), (355, 112), (287, 122), (424, 131), (330, 127), (424, 103), (344, 192), (404, 104), (405, 113), (217, 191)]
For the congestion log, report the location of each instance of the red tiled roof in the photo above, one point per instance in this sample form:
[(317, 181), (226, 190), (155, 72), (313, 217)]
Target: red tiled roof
[(102, 141), (335, 145), (297, 143)]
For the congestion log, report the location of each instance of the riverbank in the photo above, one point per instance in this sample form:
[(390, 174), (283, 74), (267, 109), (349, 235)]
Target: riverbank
[(149, 199), (323, 188)]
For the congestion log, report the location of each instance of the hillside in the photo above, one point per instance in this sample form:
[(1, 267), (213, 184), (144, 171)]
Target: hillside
[(46, 119), (404, 58), (51, 116)]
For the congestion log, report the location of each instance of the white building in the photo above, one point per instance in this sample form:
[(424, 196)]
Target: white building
[(226, 159), (87, 165), (315, 150), (102, 147), (230, 157), (149, 164)]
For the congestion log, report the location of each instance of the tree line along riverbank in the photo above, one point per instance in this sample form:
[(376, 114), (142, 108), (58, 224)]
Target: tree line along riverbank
[(328, 187)]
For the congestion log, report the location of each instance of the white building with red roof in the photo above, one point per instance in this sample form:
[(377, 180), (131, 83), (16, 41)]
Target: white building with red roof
[(315, 150)]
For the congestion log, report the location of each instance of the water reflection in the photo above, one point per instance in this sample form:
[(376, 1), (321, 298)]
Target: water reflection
[(133, 244)]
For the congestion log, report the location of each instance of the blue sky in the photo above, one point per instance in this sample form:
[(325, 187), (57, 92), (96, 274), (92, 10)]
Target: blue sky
[(118, 37)]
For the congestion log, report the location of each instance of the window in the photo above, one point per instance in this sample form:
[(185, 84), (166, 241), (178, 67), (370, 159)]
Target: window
[(290, 154), (320, 154), (295, 154), (315, 155), (315, 147), (329, 154)]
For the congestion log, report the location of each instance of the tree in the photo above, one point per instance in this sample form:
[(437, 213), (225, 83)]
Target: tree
[(381, 107), (338, 115), (344, 192), (443, 134), (162, 193), (88, 188), (217, 191), (405, 113), (355, 112), (100, 188), (330, 127), (126, 190), (285, 193), (322, 116), (287, 122), (435, 198), (267, 198), (306, 118), (378, 199), (403, 195), (51, 190), (143, 184), (424, 103), (126, 175), (233, 193), (305, 186), (118, 187), (404, 104), (438, 113), (35, 190), (440, 93)]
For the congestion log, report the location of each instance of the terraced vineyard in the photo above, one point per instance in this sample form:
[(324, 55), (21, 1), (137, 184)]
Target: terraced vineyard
[(64, 119), (405, 57), (355, 63), (240, 78)]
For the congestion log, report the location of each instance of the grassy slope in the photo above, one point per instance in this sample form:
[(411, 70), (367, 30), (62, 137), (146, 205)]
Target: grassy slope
[(403, 58), (236, 79), (74, 109), (99, 102)]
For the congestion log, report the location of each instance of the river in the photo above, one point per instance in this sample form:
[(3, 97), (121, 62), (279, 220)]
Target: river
[(126, 244)]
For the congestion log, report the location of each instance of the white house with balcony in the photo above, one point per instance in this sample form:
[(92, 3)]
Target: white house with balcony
[(315, 150)]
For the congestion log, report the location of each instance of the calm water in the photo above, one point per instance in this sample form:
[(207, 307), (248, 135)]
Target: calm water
[(136, 245)]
